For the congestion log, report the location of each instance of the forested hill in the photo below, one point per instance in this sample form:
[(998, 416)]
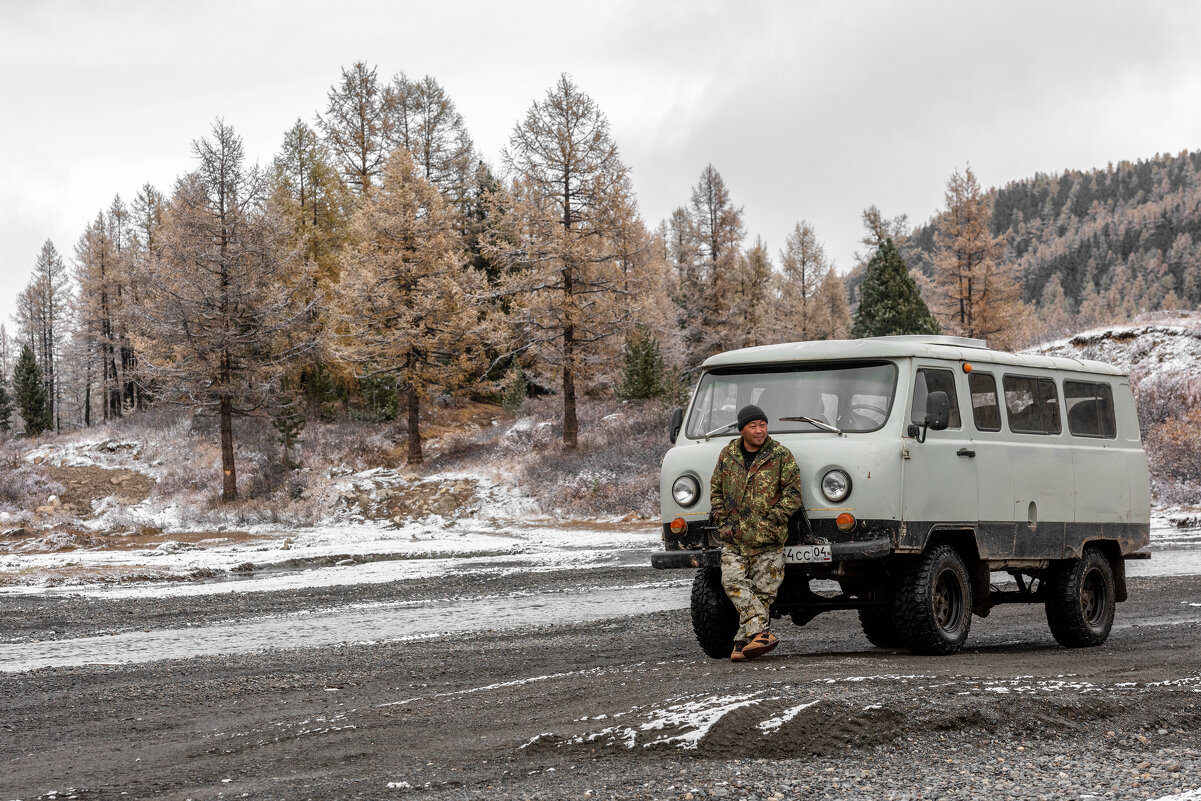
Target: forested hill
[(1123, 238)]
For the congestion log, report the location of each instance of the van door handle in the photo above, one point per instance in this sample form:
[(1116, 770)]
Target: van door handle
[(965, 452)]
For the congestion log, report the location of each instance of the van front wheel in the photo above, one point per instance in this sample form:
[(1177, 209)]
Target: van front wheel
[(934, 602), (1080, 600), (714, 619)]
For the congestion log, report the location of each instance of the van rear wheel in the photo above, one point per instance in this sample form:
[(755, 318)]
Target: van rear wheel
[(714, 619), (934, 602), (1080, 600)]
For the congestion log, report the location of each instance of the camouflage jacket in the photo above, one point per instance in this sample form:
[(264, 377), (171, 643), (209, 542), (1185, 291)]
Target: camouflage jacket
[(751, 507)]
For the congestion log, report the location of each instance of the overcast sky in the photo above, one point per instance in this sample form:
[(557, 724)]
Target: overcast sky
[(809, 110)]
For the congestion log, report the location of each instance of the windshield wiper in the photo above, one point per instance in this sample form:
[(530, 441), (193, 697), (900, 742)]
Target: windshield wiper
[(822, 425), (731, 424)]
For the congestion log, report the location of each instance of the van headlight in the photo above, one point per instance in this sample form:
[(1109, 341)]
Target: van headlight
[(686, 490), (836, 485)]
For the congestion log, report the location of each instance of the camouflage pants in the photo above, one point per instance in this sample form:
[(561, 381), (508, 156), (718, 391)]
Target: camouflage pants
[(751, 583)]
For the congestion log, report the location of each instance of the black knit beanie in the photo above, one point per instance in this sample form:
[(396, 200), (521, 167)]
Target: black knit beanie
[(748, 414)]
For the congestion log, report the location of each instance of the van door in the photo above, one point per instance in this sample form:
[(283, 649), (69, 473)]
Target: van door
[(939, 478), (994, 470)]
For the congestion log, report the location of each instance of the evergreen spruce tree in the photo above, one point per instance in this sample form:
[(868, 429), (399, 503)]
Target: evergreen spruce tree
[(6, 408), (642, 377), (289, 421), (29, 388), (890, 303)]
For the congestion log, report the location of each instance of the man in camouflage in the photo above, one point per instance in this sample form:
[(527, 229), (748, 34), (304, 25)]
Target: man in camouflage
[(756, 488)]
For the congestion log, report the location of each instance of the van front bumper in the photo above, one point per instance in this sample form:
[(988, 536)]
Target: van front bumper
[(856, 551)]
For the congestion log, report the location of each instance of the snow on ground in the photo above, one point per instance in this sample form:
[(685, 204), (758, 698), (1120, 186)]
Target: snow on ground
[(353, 624), (96, 451)]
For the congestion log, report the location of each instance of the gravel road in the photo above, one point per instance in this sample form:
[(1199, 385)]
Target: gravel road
[(624, 706)]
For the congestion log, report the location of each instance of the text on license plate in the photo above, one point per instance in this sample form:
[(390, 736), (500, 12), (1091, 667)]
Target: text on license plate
[(805, 554)]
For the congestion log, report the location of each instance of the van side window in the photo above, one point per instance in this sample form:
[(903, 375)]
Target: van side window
[(1032, 404), (1090, 409), (931, 380), (986, 410)]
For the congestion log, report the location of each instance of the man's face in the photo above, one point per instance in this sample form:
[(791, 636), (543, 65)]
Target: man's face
[(754, 434)]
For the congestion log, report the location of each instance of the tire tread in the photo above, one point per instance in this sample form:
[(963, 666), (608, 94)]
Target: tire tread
[(714, 619)]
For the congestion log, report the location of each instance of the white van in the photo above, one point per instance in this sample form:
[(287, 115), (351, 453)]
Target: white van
[(927, 463)]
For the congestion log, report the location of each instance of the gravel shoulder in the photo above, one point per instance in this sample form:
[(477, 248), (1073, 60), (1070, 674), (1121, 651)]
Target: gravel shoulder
[(624, 708)]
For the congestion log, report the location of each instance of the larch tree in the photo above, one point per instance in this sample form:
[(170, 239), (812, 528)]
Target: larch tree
[(41, 311), (682, 253), (878, 229), (122, 231), (974, 293), (889, 301), (6, 399), (96, 276), (6, 353), (804, 266), (571, 299), (832, 316), (407, 305), (146, 214), (717, 226), (223, 317), (749, 298), (421, 119), (311, 200), (104, 259), (353, 125)]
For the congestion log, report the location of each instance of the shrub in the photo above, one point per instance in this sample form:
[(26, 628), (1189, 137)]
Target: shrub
[(1174, 458), (614, 472), (643, 370)]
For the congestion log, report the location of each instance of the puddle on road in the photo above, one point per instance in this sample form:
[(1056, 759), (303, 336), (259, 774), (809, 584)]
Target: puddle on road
[(374, 623)]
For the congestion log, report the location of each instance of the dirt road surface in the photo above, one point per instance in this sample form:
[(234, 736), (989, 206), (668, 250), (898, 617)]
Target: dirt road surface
[(620, 704)]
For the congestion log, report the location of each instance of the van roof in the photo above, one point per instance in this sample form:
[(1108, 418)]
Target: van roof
[(939, 347)]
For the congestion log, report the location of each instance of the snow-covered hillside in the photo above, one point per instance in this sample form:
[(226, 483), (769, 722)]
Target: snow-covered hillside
[(1147, 350)]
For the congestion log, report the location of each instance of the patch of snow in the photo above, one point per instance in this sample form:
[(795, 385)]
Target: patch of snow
[(1188, 795), (772, 724)]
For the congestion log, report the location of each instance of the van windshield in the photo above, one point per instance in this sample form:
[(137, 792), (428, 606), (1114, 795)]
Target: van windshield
[(853, 397)]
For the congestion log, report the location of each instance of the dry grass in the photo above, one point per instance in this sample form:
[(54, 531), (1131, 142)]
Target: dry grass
[(23, 486), (615, 471)]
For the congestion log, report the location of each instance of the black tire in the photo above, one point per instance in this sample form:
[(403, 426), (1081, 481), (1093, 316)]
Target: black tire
[(880, 627), (714, 619), (1080, 600), (934, 602)]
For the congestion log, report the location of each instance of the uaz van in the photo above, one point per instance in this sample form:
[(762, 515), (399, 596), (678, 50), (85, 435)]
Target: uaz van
[(927, 464)]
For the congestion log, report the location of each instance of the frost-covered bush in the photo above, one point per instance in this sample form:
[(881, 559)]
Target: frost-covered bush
[(23, 487), (351, 445), (1165, 396), (614, 472), (1174, 457)]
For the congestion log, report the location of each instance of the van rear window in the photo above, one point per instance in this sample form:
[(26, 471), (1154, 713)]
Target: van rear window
[(1032, 405), (1090, 409)]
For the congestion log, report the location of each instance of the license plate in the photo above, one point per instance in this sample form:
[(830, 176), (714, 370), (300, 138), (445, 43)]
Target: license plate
[(807, 554)]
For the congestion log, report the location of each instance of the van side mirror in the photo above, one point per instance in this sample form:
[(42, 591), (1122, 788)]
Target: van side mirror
[(677, 420), (938, 415), (938, 410)]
